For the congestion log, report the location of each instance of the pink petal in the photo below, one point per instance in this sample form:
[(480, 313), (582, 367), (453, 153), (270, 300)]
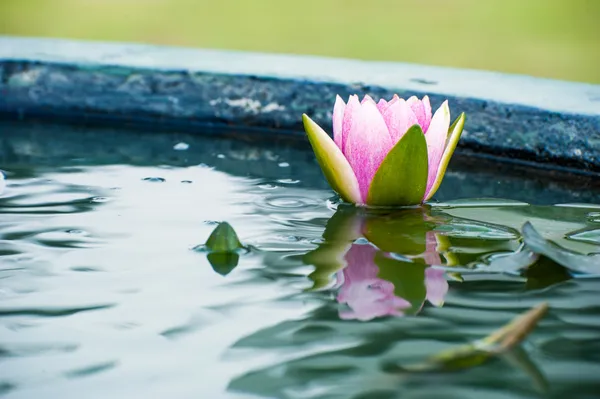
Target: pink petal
[(367, 144), (382, 106), (338, 117), (398, 117), (419, 109), (436, 142), (352, 109), (367, 98), (427, 107), (436, 286)]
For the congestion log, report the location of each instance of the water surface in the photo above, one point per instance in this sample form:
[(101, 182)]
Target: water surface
[(104, 292)]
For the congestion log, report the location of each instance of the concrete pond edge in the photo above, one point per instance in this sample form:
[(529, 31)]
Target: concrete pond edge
[(542, 122)]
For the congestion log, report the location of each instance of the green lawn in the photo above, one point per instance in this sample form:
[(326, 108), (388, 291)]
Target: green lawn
[(551, 38)]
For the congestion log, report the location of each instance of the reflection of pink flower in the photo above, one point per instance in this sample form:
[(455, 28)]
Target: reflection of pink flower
[(431, 255), (436, 286), (366, 295), (369, 297)]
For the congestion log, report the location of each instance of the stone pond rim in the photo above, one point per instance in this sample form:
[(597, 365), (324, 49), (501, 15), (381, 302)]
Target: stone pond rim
[(548, 123)]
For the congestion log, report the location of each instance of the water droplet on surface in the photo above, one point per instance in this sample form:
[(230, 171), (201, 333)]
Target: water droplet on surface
[(287, 202), (154, 179), (221, 156), (100, 199), (181, 146), (283, 164), (288, 181), (186, 182), (268, 186)]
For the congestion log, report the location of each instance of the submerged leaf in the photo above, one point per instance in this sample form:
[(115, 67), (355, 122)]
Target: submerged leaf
[(574, 261), (335, 167), (478, 352), (402, 177)]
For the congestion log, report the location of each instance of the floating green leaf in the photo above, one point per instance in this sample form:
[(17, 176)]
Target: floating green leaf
[(479, 352), (223, 239), (402, 177), (223, 248), (334, 165), (571, 260)]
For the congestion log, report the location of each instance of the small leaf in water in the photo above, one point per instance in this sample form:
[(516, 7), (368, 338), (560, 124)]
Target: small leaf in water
[(223, 239), (574, 261), (223, 246), (478, 352)]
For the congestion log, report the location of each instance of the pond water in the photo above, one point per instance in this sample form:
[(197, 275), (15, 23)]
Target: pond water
[(106, 291)]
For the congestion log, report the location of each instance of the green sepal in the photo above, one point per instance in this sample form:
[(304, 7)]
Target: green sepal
[(335, 167), (402, 177), (454, 133)]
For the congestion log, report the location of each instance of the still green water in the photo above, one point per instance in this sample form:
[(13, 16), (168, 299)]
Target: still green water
[(106, 290)]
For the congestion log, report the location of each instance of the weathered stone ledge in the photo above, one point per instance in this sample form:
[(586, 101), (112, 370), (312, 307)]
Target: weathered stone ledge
[(552, 123)]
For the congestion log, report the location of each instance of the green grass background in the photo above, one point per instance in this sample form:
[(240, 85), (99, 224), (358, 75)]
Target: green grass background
[(549, 38)]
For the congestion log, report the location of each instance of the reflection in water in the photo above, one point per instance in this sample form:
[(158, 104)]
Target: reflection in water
[(2, 182), (368, 296), (381, 261)]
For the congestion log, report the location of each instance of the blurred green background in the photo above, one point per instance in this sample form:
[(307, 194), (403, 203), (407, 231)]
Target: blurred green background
[(549, 38)]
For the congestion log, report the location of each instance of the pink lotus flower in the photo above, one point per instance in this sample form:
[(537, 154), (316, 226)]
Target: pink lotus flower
[(386, 153)]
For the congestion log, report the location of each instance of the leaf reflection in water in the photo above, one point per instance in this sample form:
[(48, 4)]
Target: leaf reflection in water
[(390, 274)]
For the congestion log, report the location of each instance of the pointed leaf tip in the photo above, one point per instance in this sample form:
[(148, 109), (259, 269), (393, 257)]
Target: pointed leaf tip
[(335, 167), (223, 239), (454, 132), (402, 177)]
